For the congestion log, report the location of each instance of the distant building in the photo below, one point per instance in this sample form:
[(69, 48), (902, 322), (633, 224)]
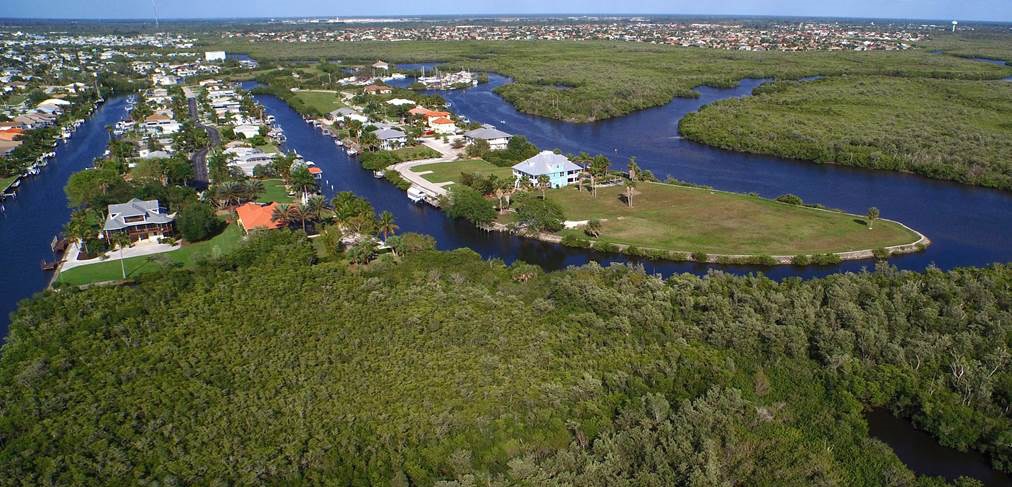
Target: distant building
[(380, 65), (559, 169), (377, 90), (139, 220), (497, 139), (442, 126), (211, 56)]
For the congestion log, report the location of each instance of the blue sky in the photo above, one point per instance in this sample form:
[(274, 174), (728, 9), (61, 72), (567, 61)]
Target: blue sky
[(995, 10)]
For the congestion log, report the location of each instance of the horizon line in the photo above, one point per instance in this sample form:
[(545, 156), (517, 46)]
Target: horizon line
[(491, 15)]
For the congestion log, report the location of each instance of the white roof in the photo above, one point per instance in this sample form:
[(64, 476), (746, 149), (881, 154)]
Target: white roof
[(400, 101), (546, 162), (486, 133)]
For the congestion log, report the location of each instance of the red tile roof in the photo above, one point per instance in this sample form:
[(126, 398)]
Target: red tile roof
[(254, 215)]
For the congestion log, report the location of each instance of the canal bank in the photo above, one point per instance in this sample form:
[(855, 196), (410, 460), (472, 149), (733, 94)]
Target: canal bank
[(30, 220)]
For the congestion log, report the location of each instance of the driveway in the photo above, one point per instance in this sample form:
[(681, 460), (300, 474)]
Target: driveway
[(433, 189), (141, 248)]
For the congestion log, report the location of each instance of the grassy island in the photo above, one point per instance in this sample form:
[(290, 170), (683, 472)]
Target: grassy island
[(688, 219)]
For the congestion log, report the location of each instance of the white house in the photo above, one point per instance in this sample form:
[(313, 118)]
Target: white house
[(559, 169), (247, 131), (211, 56), (248, 158), (497, 139), (391, 138), (443, 126)]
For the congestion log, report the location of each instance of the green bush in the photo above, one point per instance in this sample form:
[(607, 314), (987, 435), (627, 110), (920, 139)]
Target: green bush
[(700, 257)]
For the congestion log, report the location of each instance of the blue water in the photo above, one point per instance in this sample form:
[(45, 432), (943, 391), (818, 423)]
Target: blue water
[(968, 226), (29, 222)]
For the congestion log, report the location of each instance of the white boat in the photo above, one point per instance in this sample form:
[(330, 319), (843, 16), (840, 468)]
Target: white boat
[(377, 174), (352, 152), (339, 143), (415, 194)]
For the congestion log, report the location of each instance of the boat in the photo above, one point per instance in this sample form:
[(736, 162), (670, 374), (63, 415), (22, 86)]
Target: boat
[(339, 143), (377, 174), (352, 152), (416, 194)]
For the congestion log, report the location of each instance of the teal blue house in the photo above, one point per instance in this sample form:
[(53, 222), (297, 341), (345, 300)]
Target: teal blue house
[(559, 169)]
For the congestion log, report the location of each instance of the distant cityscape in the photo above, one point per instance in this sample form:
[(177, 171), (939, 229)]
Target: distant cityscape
[(778, 36)]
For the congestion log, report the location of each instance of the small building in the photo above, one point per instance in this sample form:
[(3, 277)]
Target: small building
[(211, 56), (377, 90), (442, 126), (139, 220), (497, 139), (559, 169), (391, 138), (400, 102), (161, 123), (345, 114), (381, 65), (257, 216)]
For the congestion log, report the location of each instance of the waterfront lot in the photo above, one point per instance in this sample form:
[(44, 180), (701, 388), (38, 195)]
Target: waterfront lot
[(442, 172), (690, 219), (187, 256), (322, 101), (274, 191)]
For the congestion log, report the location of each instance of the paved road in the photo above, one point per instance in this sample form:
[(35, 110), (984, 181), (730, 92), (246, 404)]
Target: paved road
[(407, 172), (199, 159)]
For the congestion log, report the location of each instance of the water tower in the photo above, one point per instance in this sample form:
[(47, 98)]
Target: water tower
[(954, 25)]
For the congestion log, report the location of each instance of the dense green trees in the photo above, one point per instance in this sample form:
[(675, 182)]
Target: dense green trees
[(197, 221), (538, 214), (448, 367), (468, 203), (945, 129)]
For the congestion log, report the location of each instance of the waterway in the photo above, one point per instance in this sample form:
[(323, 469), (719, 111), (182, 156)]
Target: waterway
[(922, 453), (968, 226), (29, 221)]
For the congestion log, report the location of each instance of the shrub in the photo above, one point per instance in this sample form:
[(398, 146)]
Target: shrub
[(700, 257), (826, 259), (881, 253), (570, 240), (539, 215), (464, 202), (801, 260), (197, 222), (790, 199)]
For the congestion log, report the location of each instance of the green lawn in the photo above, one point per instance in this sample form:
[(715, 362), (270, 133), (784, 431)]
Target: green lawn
[(275, 191), (689, 219), (321, 101), (269, 148), (188, 255), (450, 171), (6, 181)]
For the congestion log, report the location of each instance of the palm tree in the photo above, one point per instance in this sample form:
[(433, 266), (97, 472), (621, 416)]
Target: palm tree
[(228, 191), (302, 180), (314, 207), (630, 188), (295, 212), (78, 229), (544, 182), (385, 224), (634, 169), (252, 189), (872, 216), (120, 240), (281, 214), (510, 187)]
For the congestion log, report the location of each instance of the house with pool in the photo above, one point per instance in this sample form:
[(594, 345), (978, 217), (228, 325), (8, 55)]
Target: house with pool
[(560, 170)]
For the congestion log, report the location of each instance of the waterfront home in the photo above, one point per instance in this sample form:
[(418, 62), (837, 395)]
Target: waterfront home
[(211, 56), (346, 114), (257, 216), (559, 169), (377, 90), (497, 139), (248, 131), (442, 126), (161, 123), (139, 220), (380, 65), (400, 102), (248, 158), (391, 138)]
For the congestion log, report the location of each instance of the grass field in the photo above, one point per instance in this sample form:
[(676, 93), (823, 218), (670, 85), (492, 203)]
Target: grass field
[(323, 102), (450, 171), (688, 219), (187, 256), (6, 181), (275, 191)]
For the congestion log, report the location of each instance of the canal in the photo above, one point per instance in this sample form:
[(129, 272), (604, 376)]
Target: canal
[(29, 221)]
